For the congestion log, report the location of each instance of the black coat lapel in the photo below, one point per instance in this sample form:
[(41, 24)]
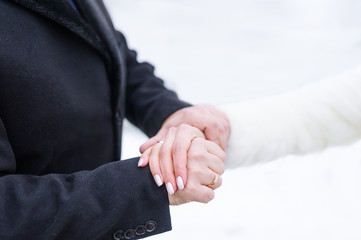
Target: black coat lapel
[(96, 14), (62, 13), (94, 25)]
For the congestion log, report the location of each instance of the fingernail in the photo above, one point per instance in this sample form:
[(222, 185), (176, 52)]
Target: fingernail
[(140, 162), (180, 183), (170, 188), (158, 180)]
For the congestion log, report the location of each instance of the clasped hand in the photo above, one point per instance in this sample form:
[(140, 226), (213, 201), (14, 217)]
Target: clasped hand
[(185, 161)]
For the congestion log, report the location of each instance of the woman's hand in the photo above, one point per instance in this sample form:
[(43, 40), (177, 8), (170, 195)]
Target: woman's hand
[(205, 167), (168, 159)]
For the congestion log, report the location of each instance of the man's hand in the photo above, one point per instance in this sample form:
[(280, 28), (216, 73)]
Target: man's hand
[(211, 121), (205, 165), (204, 172)]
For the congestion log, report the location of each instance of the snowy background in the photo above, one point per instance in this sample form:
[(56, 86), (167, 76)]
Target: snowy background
[(231, 50)]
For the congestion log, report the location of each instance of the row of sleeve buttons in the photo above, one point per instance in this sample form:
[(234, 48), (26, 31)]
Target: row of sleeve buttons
[(149, 226)]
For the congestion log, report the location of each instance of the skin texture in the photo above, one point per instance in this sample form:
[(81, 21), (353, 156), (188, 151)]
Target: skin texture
[(202, 167), (167, 158), (205, 159), (176, 135), (211, 121)]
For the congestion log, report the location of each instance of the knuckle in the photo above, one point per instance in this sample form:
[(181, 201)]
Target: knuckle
[(180, 166), (195, 171), (221, 168), (192, 188), (219, 125), (211, 134), (178, 149), (164, 154), (186, 128), (197, 141), (223, 156), (223, 129), (213, 124), (220, 165), (153, 153), (195, 155), (183, 126), (208, 196), (172, 129)]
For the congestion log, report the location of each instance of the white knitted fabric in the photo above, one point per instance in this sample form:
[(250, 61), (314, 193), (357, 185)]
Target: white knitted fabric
[(297, 122)]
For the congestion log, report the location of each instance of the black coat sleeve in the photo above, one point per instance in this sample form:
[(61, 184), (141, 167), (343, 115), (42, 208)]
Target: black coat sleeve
[(115, 199), (148, 101)]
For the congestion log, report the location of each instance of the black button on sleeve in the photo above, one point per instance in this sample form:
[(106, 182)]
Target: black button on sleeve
[(150, 226), (118, 235), (140, 230), (130, 233)]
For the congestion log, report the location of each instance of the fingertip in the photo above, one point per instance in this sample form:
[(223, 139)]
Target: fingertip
[(144, 158), (143, 161), (158, 180), (140, 162), (170, 189), (180, 182), (170, 183), (181, 179)]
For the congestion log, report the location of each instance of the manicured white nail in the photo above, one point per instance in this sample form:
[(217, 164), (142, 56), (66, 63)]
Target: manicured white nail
[(140, 162), (170, 188), (158, 180), (180, 183)]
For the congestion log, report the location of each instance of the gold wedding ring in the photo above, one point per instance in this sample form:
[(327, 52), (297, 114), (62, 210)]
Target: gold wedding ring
[(215, 180)]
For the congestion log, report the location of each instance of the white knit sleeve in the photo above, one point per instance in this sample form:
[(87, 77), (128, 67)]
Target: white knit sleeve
[(297, 122)]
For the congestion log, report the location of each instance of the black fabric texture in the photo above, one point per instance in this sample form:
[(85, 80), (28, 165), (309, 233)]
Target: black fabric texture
[(65, 86)]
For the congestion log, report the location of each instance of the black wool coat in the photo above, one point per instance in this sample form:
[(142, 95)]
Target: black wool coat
[(67, 80)]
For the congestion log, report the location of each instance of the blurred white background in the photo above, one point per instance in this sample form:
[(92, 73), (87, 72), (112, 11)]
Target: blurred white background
[(231, 50)]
